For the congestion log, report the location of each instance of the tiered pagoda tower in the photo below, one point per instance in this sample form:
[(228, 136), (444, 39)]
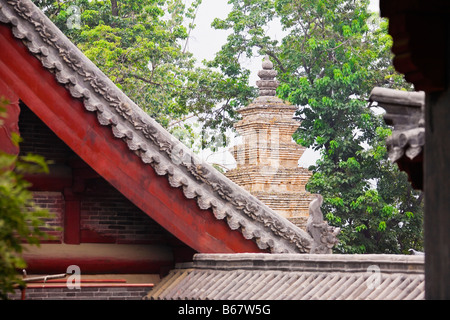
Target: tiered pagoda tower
[(267, 159)]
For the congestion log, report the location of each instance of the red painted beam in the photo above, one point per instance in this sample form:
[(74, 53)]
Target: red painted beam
[(95, 265), (110, 157), (58, 178), (90, 285), (10, 123), (110, 281)]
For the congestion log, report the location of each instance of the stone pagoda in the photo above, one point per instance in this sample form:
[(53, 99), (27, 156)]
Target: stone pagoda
[(267, 158)]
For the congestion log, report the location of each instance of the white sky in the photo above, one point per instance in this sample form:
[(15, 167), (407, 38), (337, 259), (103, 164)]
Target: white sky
[(205, 41)]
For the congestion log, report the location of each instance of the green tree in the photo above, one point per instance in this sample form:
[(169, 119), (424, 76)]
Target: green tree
[(333, 52), (142, 47), (21, 221)]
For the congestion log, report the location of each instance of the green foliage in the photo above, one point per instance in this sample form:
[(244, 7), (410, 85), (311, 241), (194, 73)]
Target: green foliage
[(332, 54), (21, 221), (142, 47)]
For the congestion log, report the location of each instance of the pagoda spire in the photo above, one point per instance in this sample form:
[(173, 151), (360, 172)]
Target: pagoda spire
[(267, 85)]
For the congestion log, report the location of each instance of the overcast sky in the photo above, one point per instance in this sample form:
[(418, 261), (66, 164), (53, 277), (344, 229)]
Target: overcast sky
[(205, 41)]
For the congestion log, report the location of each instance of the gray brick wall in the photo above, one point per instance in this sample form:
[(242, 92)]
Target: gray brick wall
[(84, 293), (105, 212), (115, 216), (55, 204), (39, 139)]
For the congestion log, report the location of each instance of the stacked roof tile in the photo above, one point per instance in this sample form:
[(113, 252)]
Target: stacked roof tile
[(405, 112), (295, 277)]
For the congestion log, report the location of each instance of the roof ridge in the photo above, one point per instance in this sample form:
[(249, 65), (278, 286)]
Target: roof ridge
[(146, 138), (388, 263)]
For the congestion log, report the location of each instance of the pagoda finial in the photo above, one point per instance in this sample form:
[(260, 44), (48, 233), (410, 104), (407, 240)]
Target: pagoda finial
[(267, 85)]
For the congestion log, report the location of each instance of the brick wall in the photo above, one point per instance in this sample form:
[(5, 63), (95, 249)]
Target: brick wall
[(39, 139), (55, 204), (115, 218), (106, 216), (126, 292)]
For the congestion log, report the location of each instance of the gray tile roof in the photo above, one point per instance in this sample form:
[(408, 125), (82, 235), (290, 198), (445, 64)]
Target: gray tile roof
[(405, 111), (294, 277)]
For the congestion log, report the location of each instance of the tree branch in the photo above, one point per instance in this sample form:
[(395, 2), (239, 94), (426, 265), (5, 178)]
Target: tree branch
[(114, 8), (145, 80)]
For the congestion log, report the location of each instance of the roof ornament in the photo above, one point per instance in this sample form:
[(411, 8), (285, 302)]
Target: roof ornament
[(324, 235), (405, 111), (416, 253), (267, 85)]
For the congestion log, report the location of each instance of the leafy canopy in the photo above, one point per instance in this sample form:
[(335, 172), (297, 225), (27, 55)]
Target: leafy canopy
[(332, 54), (142, 46)]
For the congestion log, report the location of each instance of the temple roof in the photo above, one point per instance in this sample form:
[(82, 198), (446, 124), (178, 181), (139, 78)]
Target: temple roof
[(145, 138), (295, 277)]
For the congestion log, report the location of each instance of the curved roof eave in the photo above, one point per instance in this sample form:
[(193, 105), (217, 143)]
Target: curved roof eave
[(146, 138)]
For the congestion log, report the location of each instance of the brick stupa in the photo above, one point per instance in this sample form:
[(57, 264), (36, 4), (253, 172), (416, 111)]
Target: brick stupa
[(267, 158)]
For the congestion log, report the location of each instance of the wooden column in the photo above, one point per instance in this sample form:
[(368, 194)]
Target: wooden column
[(72, 217), (421, 34), (437, 195)]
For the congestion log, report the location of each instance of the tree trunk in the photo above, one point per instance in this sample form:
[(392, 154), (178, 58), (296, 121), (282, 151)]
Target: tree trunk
[(114, 8)]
